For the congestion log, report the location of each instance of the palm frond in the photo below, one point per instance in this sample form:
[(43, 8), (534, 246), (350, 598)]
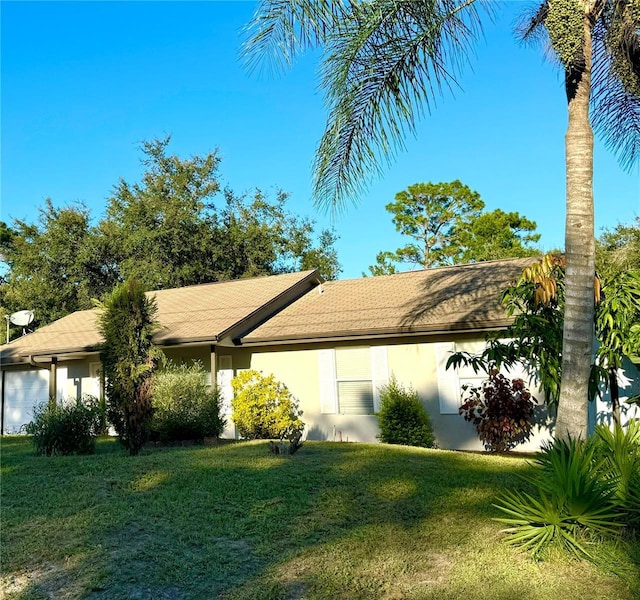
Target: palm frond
[(531, 30), (384, 66), (281, 30), (530, 26), (616, 81)]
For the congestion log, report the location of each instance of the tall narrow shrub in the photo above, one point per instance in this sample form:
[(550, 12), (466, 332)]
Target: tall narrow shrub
[(127, 323)]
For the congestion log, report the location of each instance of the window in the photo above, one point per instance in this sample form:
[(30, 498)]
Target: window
[(451, 381), (353, 378), (350, 379)]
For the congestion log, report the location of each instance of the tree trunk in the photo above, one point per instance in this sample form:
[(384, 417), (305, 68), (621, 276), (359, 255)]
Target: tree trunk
[(577, 345)]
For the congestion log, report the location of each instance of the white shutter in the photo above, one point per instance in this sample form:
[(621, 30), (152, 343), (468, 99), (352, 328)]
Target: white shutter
[(379, 372), (225, 375), (94, 375), (353, 364), (327, 380), (61, 383), (448, 385)]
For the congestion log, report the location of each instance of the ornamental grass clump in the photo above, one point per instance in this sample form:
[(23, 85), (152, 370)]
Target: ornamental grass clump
[(402, 418), (501, 411), (63, 428), (263, 408)]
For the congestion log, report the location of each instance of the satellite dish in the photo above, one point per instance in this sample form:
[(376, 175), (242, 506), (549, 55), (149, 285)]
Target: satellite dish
[(22, 318)]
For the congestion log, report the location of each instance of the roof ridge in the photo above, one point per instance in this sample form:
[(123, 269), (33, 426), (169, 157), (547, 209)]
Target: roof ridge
[(228, 281), (481, 263)]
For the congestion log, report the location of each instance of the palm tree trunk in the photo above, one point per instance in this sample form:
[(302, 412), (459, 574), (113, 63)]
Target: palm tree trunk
[(578, 334)]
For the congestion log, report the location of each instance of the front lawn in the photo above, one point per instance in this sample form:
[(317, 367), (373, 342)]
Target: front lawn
[(334, 521)]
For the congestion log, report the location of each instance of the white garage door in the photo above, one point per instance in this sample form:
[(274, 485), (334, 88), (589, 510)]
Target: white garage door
[(22, 391)]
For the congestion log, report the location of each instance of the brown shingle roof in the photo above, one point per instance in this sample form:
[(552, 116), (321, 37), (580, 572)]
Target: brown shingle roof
[(190, 314), (434, 300)]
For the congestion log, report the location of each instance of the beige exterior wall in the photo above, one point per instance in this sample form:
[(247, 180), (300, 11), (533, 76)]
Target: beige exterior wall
[(298, 369), (82, 377), (629, 386), (191, 354), (74, 376), (413, 364)]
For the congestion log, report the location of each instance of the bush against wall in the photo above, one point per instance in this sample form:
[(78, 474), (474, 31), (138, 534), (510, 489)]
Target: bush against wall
[(501, 410), (263, 408), (184, 407), (62, 428), (402, 418)]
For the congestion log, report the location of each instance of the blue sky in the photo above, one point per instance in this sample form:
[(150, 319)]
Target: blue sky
[(83, 83)]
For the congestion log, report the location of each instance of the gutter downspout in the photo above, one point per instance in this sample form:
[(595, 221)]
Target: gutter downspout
[(2, 408)]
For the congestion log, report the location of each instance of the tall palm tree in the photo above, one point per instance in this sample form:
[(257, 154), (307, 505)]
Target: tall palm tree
[(385, 62)]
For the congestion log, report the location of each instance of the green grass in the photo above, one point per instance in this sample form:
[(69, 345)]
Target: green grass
[(334, 521)]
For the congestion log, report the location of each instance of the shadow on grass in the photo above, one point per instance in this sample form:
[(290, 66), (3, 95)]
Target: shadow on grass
[(333, 521)]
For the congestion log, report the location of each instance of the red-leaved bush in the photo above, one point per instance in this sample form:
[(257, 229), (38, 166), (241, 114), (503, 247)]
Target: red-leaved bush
[(501, 410)]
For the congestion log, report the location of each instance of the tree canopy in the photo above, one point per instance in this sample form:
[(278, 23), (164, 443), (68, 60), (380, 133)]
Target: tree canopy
[(447, 226), (618, 249), (172, 228), (49, 263)]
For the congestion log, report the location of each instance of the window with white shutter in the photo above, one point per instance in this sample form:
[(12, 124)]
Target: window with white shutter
[(452, 382), (448, 385), (350, 379)]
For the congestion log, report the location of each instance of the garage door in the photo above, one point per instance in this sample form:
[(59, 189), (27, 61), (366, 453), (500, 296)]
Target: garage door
[(22, 391)]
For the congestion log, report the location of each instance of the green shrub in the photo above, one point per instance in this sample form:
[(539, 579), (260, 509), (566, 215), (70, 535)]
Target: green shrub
[(264, 408), (402, 418), (501, 411), (620, 453), (65, 427), (572, 502), (184, 407)]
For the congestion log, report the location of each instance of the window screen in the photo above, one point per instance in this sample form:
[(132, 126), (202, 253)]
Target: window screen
[(353, 376)]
